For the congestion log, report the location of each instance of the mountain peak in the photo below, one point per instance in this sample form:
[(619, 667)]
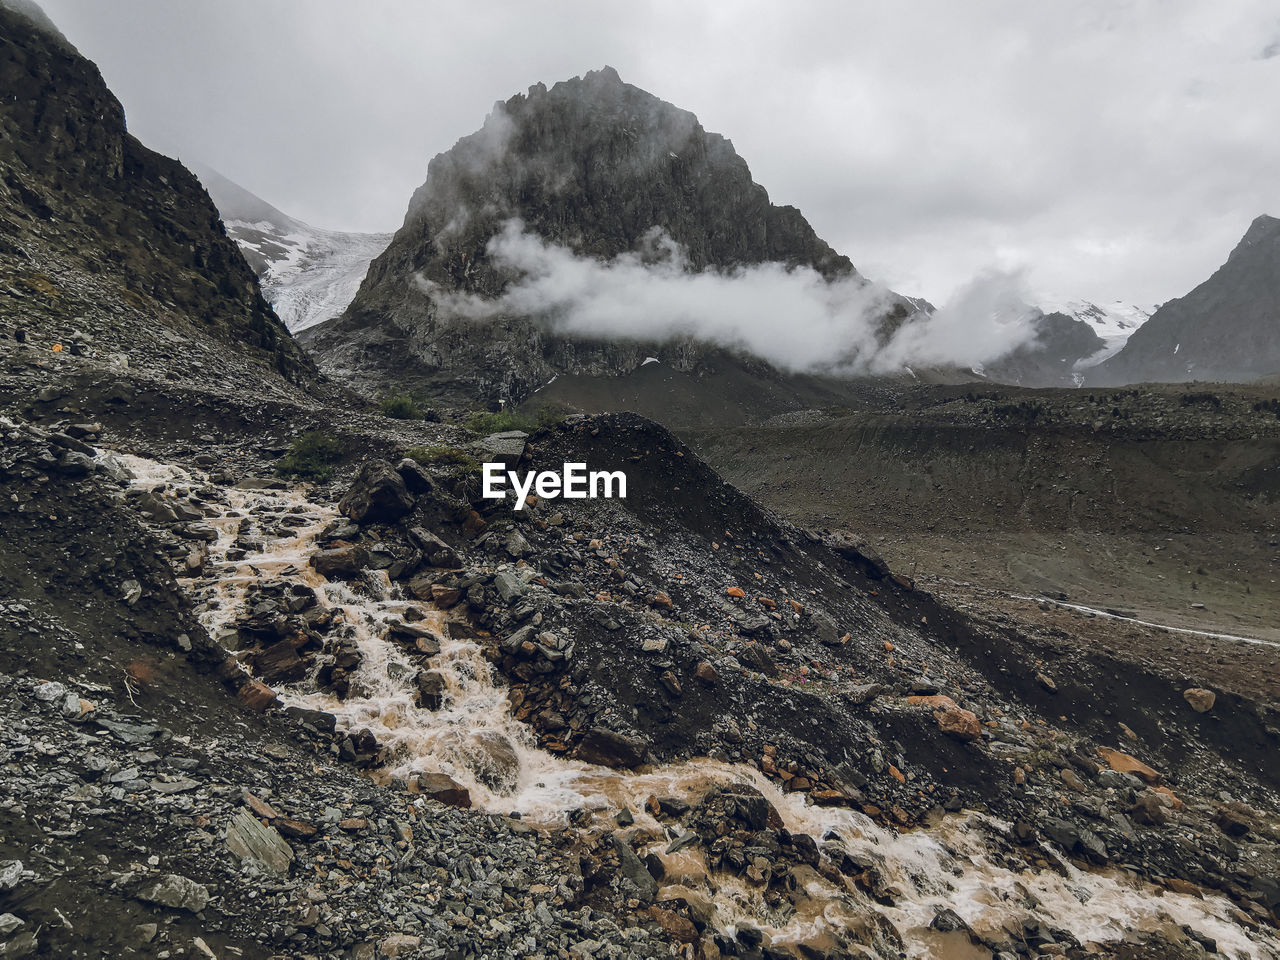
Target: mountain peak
[(1263, 228), (592, 165)]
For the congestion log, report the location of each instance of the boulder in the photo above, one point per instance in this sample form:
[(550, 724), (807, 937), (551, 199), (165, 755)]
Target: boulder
[(431, 689), (340, 562), (860, 554), (416, 479), (609, 749), (378, 495), (444, 788), (959, 723), (250, 839), (493, 760), (1124, 763), (176, 892), (435, 551), (1200, 699), (507, 447), (634, 871)]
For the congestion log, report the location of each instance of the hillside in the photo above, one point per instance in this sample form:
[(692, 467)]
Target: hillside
[(110, 249)]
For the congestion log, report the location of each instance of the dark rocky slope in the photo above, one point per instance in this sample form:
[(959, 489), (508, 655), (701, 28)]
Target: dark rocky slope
[(109, 248), (594, 164), (1228, 328), (1050, 359)]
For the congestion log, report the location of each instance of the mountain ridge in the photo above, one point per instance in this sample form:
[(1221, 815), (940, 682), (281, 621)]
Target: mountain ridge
[(1226, 328)]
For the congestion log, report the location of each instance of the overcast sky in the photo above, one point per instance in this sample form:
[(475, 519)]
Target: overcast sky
[(1113, 149)]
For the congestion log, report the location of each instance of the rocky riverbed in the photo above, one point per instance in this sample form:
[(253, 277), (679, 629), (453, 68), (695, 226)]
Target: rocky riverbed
[(407, 728)]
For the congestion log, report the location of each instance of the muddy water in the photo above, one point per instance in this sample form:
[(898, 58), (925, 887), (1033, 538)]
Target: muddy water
[(475, 739)]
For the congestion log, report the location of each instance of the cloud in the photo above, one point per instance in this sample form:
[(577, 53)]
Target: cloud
[(1115, 149), (792, 317)]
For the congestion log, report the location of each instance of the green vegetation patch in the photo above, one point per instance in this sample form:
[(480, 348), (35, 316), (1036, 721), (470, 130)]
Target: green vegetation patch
[(311, 457)]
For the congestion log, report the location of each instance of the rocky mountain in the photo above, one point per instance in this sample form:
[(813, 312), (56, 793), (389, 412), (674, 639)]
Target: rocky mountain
[(107, 247), (1053, 358), (595, 165), (1227, 328), (307, 274)]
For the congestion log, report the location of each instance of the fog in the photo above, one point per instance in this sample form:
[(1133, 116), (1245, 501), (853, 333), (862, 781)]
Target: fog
[(791, 316)]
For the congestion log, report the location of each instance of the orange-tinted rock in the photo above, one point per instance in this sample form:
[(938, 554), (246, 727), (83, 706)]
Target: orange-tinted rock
[(1200, 699), (1124, 763), (257, 696), (959, 723), (736, 593), (674, 925)]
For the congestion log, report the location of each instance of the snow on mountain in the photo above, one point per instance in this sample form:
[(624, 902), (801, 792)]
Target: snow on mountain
[(307, 274), (1114, 323)]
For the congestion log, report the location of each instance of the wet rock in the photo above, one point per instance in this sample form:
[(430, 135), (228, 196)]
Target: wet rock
[(317, 720), (257, 696), (674, 925), (177, 892), (634, 872), (1200, 699), (278, 663), (342, 562), (419, 636), (442, 787), (947, 920), (608, 749), (431, 689), (493, 760), (378, 495), (250, 839)]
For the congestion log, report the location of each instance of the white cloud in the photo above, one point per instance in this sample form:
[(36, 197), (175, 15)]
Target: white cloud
[(790, 316), (1115, 149)]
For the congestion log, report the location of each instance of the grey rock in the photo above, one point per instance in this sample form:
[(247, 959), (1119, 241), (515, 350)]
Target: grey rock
[(178, 892), (250, 839)]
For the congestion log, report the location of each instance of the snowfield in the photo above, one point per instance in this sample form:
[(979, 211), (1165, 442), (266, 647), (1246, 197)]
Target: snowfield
[(1114, 323), (309, 275)]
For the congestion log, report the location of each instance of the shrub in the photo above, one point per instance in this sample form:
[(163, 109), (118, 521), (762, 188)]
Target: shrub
[(438, 456), (311, 456), (485, 423), (400, 406)]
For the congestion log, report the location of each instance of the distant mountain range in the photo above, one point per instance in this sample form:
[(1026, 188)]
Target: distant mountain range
[(308, 274)]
